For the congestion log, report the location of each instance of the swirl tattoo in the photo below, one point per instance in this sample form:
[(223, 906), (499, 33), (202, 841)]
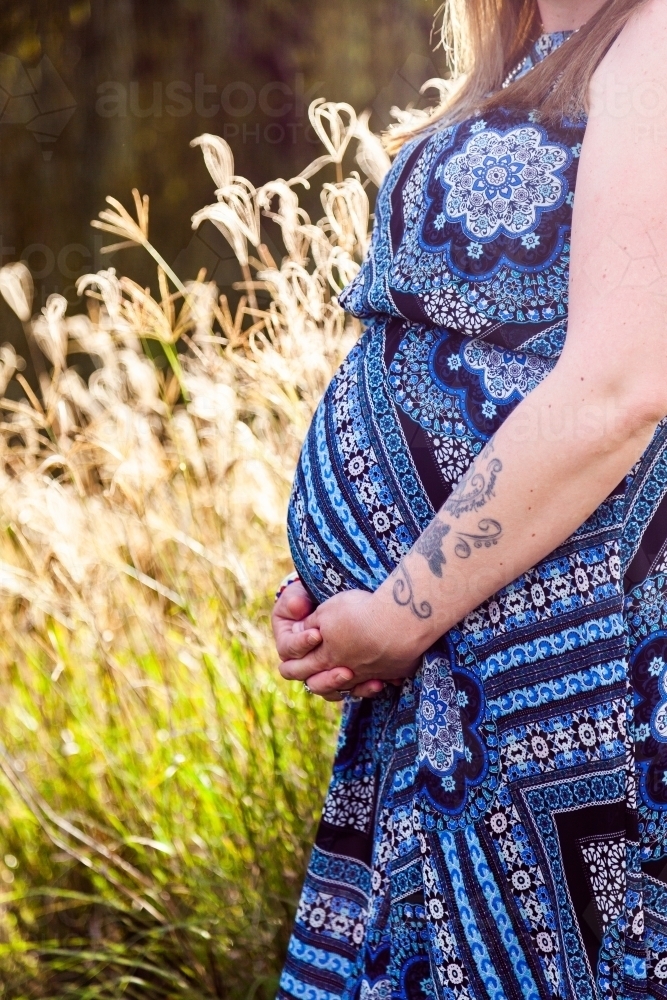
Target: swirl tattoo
[(475, 489), (404, 595), (429, 545), (491, 533)]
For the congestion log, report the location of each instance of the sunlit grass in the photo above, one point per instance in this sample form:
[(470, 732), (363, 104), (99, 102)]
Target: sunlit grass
[(160, 786), (158, 812)]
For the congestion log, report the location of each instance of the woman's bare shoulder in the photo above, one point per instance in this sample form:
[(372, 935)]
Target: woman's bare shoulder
[(619, 243), (630, 85), (641, 47)]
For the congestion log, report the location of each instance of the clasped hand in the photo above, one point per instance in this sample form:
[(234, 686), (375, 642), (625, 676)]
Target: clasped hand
[(347, 644)]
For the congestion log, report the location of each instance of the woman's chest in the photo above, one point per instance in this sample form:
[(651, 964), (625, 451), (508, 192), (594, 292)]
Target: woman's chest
[(473, 230)]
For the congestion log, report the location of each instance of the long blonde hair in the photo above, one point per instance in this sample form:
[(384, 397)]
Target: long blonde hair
[(486, 39)]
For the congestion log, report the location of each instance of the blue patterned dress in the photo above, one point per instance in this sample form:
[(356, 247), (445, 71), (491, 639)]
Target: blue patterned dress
[(496, 829)]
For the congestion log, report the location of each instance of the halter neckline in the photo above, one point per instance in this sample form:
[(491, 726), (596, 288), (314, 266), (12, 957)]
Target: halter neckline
[(547, 43)]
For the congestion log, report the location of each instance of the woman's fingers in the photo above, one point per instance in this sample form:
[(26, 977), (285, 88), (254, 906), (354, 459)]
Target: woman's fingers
[(312, 665), (326, 685), (295, 645), (293, 606), (294, 603), (334, 699), (307, 622), (314, 662), (330, 684), (371, 689)]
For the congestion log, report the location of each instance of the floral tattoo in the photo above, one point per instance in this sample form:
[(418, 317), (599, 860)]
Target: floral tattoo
[(429, 545)]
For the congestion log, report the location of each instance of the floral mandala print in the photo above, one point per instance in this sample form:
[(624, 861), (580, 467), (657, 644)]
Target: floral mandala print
[(502, 183), (441, 734), (457, 743), (463, 283), (506, 375)]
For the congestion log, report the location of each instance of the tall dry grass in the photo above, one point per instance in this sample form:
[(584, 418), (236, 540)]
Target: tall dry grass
[(159, 785)]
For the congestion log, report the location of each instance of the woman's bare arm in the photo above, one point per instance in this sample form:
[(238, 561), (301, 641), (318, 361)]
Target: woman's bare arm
[(566, 447)]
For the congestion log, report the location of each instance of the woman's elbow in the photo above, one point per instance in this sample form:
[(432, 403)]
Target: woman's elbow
[(608, 406)]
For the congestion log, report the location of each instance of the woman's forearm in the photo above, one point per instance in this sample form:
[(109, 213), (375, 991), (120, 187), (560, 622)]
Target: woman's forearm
[(552, 463)]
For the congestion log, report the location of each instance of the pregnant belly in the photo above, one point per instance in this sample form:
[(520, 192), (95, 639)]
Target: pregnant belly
[(404, 417), (357, 505)]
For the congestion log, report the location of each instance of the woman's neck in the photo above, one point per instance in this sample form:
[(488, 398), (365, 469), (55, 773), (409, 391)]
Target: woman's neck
[(567, 15)]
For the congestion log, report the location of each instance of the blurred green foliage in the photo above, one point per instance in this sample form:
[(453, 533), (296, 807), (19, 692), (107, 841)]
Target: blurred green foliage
[(153, 834)]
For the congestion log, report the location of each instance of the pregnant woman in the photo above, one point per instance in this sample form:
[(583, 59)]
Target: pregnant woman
[(479, 525)]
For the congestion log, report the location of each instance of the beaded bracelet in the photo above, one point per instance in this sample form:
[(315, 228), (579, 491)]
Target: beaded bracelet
[(287, 582)]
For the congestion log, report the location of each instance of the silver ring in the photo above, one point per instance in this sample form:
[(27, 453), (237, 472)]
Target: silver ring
[(306, 688)]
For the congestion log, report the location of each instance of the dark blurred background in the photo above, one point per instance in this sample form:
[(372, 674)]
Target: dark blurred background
[(98, 96)]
